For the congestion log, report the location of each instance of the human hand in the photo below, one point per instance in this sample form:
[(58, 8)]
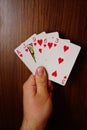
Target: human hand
[(37, 101)]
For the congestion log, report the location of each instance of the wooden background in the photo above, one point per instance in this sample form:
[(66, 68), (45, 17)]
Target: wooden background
[(19, 19)]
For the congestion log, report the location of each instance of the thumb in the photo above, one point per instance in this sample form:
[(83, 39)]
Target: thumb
[(41, 81)]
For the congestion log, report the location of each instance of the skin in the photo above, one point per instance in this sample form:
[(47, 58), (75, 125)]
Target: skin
[(37, 101)]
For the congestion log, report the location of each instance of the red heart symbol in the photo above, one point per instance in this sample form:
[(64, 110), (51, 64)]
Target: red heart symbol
[(66, 48), (65, 77), (40, 42), (40, 50), (60, 60), (50, 44), (34, 44), (44, 45), (21, 55), (26, 49), (54, 73), (55, 44)]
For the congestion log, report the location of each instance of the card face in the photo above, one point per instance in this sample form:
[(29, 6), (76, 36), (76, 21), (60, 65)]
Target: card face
[(21, 55), (42, 43), (38, 47), (52, 44), (60, 62), (24, 54), (32, 43), (48, 50)]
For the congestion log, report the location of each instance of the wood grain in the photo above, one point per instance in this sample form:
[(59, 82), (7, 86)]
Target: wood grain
[(18, 20)]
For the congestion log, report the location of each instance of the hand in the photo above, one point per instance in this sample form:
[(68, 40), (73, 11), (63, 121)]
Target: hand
[(37, 101)]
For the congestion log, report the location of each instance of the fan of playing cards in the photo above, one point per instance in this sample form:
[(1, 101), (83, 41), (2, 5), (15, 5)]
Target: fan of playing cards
[(55, 54)]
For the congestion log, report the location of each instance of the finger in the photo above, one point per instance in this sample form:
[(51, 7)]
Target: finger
[(50, 88), (50, 85), (29, 86), (41, 81)]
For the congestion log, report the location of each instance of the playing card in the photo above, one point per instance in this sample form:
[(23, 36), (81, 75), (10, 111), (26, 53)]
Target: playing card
[(52, 44), (60, 61), (24, 54), (41, 44)]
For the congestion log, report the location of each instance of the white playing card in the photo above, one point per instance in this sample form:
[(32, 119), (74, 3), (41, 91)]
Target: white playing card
[(24, 54), (20, 54), (42, 40), (52, 44), (60, 61), (30, 43), (38, 47)]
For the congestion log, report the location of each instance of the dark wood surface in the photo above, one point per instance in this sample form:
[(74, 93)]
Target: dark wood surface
[(18, 20)]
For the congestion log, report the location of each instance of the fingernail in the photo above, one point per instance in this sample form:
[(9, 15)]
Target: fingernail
[(40, 71)]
